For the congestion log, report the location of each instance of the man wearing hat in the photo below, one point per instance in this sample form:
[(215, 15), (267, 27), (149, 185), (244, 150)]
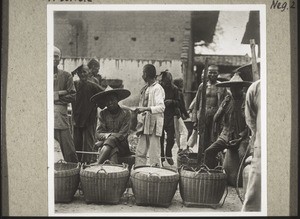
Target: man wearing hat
[(234, 135), (84, 114), (114, 124), (64, 93), (150, 119)]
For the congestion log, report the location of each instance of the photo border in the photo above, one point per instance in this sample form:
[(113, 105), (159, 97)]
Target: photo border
[(155, 7)]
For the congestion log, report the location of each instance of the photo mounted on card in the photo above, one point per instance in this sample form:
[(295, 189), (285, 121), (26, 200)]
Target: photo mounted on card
[(157, 110)]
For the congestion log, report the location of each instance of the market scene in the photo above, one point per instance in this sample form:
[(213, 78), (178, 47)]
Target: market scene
[(157, 111)]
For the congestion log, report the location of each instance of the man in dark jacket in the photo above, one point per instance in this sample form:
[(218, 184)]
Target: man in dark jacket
[(181, 132), (114, 125), (171, 110), (235, 133), (84, 114)]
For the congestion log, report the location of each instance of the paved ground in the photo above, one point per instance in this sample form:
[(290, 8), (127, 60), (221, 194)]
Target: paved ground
[(128, 206)]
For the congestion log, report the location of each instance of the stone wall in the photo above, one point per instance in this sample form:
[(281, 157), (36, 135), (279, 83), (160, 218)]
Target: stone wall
[(156, 35)]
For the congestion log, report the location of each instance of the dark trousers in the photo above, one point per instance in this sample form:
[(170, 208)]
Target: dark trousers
[(170, 130), (211, 152), (64, 138), (208, 131), (84, 140)]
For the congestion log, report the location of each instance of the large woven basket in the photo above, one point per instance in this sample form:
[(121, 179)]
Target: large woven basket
[(66, 180), (104, 183), (153, 186), (202, 187)]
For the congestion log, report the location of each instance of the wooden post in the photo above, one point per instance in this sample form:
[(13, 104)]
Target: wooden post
[(201, 121), (255, 73)]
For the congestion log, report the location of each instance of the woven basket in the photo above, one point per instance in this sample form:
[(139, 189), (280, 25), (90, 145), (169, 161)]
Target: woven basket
[(153, 186), (66, 181), (202, 187), (187, 159), (103, 183)]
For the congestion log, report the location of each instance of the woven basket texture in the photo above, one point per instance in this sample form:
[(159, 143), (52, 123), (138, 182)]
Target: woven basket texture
[(202, 188), (154, 186), (66, 181), (104, 183), (189, 160)]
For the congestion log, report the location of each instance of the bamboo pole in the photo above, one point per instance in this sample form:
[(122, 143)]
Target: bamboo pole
[(255, 73), (201, 121)]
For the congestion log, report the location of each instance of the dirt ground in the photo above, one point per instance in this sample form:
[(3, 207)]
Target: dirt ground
[(127, 203)]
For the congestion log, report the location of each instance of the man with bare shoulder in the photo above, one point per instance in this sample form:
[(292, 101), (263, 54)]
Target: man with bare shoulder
[(214, 97)]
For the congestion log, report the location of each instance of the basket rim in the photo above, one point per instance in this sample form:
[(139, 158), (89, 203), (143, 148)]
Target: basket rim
[(76, 167), (143, 166), (123, 165)]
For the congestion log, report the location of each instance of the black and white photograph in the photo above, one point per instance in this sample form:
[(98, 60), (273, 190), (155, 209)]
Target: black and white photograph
[(157, 110)]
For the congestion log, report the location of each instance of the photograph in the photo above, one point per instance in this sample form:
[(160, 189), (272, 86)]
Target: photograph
[(157, 110)]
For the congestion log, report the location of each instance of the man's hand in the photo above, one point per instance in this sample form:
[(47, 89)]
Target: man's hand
[(141, 109)]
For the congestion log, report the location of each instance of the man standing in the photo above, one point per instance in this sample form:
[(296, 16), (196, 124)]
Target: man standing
[(94, 67), (114, 125), (252, 200), (234, 135), (64, 93), (172, 110), (150, 119), (181, 132), (84, 114), (214, 97)]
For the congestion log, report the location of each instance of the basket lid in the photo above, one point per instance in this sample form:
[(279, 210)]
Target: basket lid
[(157, 171), (106, 168)]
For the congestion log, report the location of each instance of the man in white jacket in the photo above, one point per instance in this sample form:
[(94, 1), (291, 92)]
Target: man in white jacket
[(252, 200), (150, 119)]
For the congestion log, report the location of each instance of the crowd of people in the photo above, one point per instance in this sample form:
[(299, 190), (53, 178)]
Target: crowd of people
[(232, 120)]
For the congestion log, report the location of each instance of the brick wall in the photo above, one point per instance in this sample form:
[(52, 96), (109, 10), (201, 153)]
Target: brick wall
[(121, 35)]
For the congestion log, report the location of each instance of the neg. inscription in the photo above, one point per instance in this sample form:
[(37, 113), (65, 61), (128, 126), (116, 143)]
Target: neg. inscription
[(282, 5)]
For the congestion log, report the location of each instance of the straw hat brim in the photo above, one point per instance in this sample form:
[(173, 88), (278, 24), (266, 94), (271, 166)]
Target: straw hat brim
[(234, 83), (246, 66), (100, 98)]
